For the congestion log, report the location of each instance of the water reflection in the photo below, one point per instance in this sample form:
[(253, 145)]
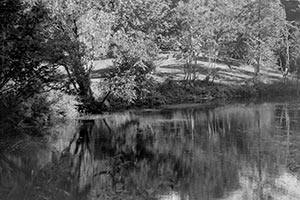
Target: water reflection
[(232, 152)]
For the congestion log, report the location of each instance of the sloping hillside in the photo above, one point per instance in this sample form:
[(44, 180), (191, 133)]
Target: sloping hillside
[(169, 67)]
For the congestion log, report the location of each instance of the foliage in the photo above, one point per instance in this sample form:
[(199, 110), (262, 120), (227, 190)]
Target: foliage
[(290, 50), (82, 32), (247, 30), (265, 24), (134, 50), (53, 44), (128, 79), (27, 61), (149, 16), (62, 105), (54, 104), (287, 89), (40, 109), (122, 88)]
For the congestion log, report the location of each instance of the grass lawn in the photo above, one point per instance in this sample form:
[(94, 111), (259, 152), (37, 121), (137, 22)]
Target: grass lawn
[(170, 67)]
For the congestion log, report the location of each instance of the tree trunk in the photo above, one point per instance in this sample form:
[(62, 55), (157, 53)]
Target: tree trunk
[(84, 87), (298, 76), (257, 70), (257, 67), (71, 78)]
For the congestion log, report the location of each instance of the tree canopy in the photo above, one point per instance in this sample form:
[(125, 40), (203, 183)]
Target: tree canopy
[(27, 54), (40, 37)]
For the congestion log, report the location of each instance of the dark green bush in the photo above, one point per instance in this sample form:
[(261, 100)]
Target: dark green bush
[(53, 104), (18, 113), (127, 81)]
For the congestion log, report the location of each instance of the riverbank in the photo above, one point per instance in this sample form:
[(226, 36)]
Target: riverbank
[(148, 155), (217, 81), (165, 86), (176, 92)]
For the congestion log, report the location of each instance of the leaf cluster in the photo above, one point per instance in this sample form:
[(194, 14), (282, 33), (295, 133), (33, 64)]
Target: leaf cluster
[(27, 62)]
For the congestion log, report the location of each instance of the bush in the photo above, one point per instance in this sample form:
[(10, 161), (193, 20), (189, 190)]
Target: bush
[(50, 105), (63, 105), (18, 112), (120, 88), (128, 81)]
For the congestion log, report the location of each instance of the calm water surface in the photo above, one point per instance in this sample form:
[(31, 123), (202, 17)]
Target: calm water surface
[(233, 152)]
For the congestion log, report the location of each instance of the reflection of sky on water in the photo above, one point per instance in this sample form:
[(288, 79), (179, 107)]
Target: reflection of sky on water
[(287, 187), (290, 184), (239, 152)]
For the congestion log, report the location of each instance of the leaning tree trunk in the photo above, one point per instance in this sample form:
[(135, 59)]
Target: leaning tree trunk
[(84, 87)]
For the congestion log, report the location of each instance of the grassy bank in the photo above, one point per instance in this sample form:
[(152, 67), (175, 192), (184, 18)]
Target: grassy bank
[(163, 86), (177, 92), (225, 83)]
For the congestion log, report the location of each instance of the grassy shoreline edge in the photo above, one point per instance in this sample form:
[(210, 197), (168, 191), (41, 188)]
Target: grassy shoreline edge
[(174, 92)]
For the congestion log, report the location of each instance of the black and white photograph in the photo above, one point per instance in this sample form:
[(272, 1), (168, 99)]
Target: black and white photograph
[(150, 100)]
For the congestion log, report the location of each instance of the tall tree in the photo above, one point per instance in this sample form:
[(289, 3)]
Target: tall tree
[(134, 46), (83, 31), (264, 23), (207, 27)]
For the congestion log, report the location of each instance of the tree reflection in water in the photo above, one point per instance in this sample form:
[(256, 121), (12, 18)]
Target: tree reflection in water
[(232, 152)]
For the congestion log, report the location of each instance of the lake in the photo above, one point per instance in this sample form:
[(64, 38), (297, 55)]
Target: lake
[(232, 152)]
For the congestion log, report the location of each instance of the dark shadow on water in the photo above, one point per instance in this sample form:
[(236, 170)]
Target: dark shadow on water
[(186, 153)]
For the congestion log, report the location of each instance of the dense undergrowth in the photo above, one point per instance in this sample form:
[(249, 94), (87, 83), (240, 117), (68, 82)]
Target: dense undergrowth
[(30, 115), (33, 114), (178, 92), (278, 89)]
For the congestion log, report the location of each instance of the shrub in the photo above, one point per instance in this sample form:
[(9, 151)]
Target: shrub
[(36, 110), (127, 81), (120, 87), (62, 105)]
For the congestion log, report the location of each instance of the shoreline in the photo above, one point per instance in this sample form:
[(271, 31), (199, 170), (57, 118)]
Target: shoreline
[(172, 94)]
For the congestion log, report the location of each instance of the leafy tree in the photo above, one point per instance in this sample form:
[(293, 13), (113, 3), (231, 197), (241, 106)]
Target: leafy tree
[(246, 30), (264, 26), (83, 31), (289, 51), (27, 59), (128, 77), (208, 27), (133, 45)]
